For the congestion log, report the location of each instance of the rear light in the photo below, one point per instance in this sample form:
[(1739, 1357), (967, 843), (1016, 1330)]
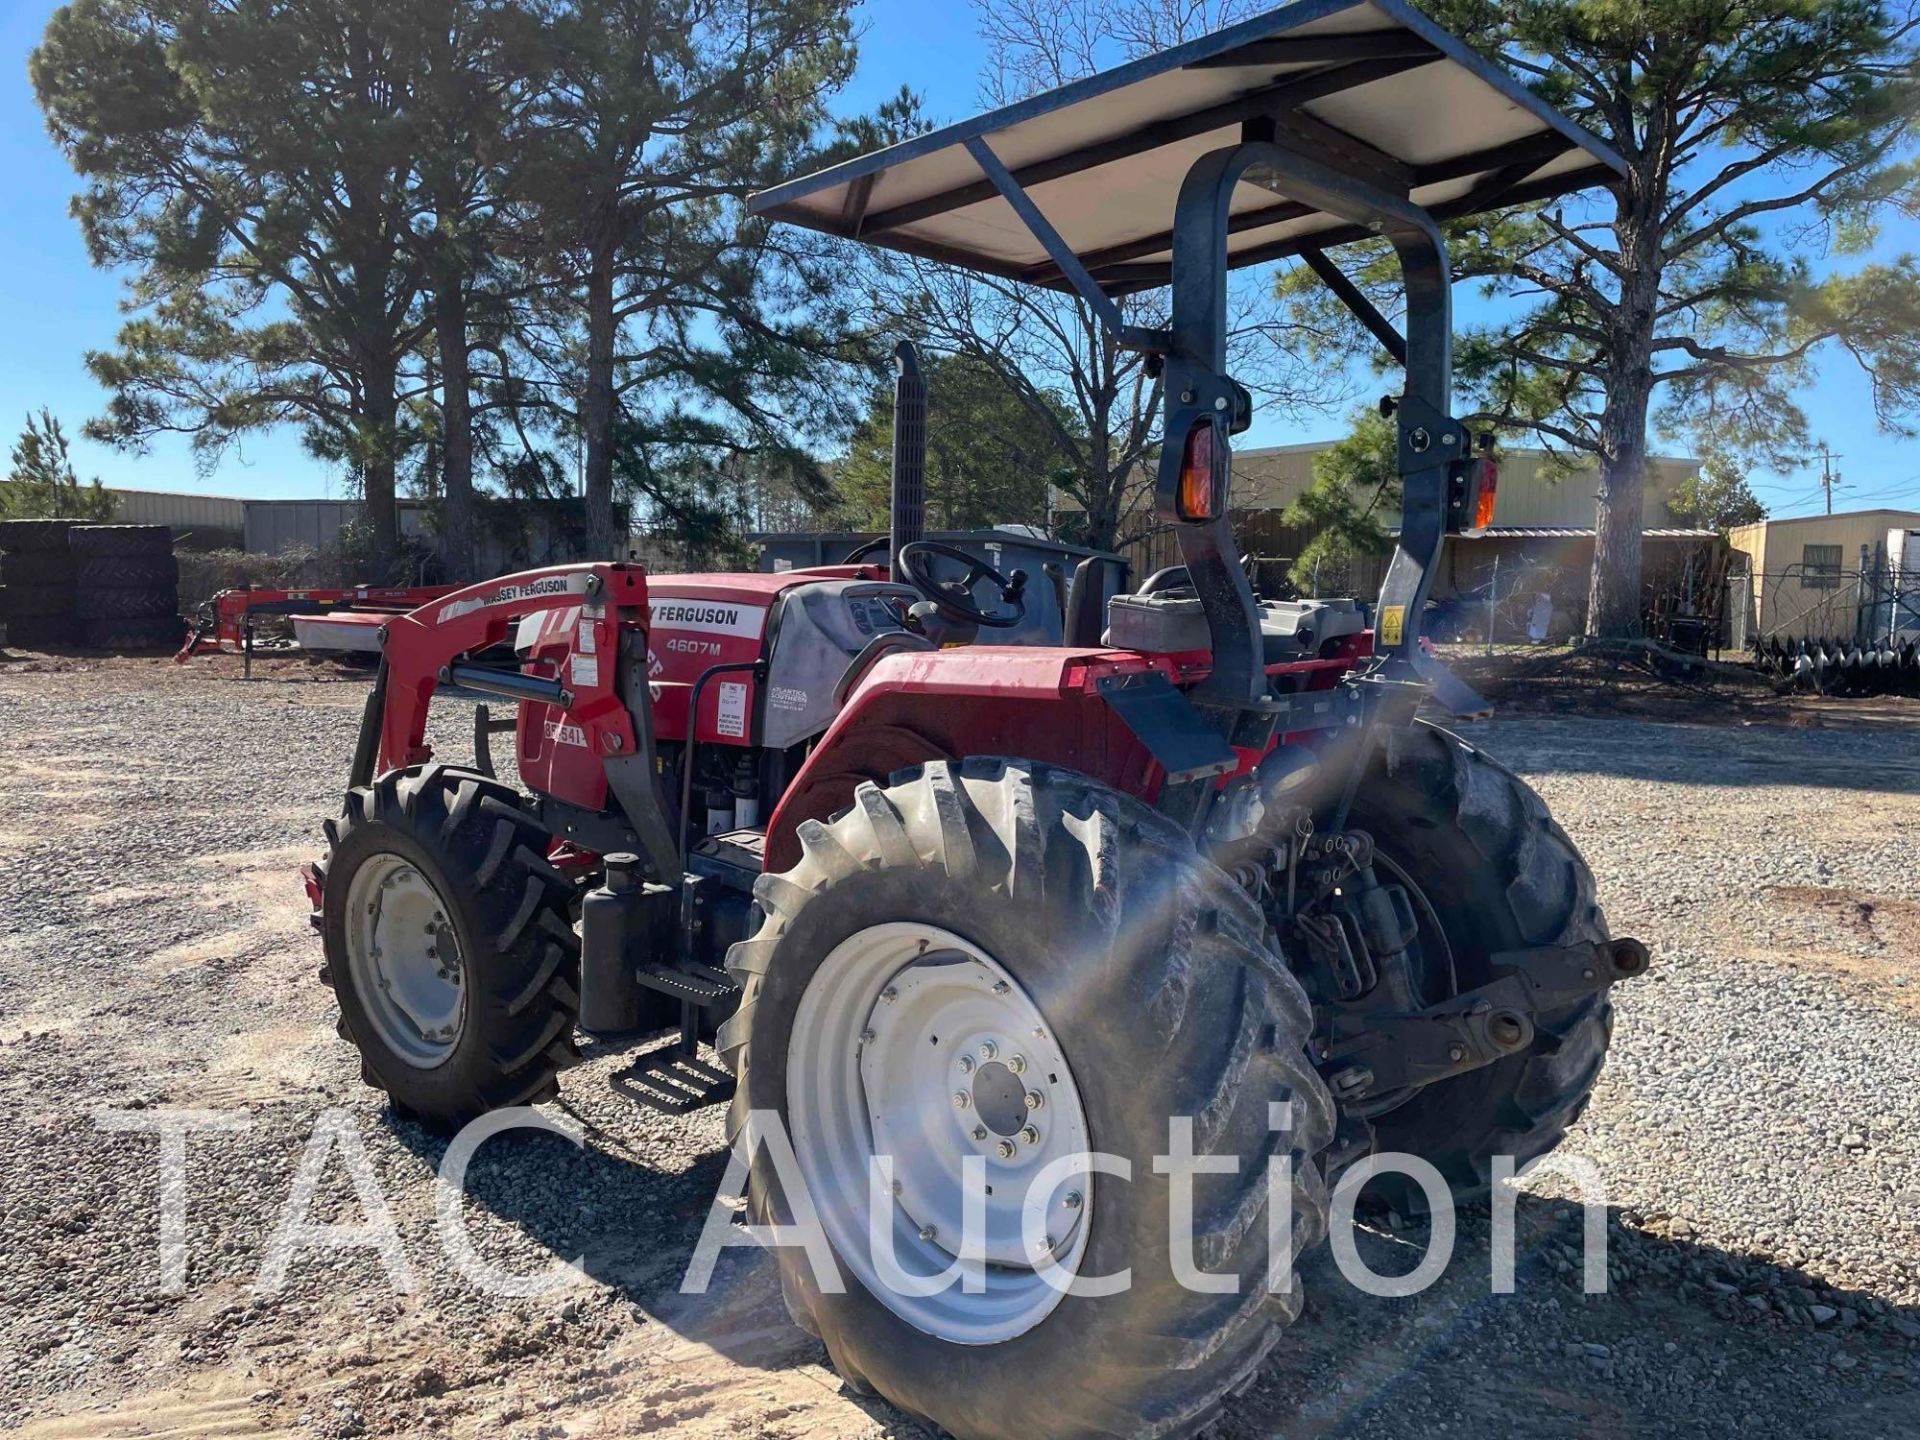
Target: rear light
[(1203, 475), (1489, 487)]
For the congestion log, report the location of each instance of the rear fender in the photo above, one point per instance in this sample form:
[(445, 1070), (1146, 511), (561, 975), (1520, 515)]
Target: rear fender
[(910, 708)]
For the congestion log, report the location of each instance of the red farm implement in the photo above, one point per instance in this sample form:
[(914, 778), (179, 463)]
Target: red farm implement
[(228, 620)]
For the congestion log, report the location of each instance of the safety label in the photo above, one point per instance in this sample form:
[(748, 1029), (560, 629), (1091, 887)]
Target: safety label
[(1393, 623), (732, 720)]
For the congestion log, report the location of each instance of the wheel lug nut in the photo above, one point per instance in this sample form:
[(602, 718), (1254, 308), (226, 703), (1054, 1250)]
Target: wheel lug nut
[(1018, 1064), (890, 995), (867, 1037), (962, 1100), (929, 1234), (966, 1064), (1035, 1100), (989, 1050), (1075, 1200), (1030, 1135), (1001, 987), (1046, 1244), (1007, 1149), (979, 1132)]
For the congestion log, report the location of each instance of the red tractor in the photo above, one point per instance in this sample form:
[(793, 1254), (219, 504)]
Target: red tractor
[(984, 886)]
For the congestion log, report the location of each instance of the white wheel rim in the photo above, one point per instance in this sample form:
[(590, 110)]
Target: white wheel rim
[(405, 961), (914, 1043)]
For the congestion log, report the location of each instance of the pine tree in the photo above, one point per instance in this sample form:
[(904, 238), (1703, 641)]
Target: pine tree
[(42, 483), (1756, 133), (252, 164)]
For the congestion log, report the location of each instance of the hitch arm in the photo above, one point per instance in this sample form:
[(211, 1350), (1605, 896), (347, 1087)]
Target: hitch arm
[(1369, 1055)]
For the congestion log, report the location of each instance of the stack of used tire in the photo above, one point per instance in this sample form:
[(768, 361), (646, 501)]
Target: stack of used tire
[(37, 583), (126, 586)]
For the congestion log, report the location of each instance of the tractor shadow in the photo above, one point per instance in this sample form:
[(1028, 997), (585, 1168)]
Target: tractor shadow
[(629, 1206), (1686, 1334), (1687, 1338)]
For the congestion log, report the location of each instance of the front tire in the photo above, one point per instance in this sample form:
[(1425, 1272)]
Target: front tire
[(449, 944), (1150, 975)]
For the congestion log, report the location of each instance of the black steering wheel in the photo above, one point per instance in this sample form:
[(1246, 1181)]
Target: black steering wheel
[(946, 576), (860, 552)]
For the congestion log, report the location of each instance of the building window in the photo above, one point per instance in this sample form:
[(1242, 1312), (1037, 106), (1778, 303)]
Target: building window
[(1820, 567)]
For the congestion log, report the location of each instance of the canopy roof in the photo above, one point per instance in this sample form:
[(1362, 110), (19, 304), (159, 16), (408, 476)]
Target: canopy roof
[(1369, 87)]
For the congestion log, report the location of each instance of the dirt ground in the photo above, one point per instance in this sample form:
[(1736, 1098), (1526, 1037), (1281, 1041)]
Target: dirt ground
[(1758, 1128)]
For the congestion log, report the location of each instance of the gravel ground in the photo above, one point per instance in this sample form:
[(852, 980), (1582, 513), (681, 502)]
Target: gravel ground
[(1758, 1129)]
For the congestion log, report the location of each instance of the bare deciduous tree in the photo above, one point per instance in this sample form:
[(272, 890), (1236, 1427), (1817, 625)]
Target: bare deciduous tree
[(1049, 346)]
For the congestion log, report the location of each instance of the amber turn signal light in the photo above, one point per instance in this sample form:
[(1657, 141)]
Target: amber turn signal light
[(1489, 487), (1202, 475)]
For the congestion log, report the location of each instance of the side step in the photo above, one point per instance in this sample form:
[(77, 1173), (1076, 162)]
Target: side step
[(691, 983), (673, 1079)]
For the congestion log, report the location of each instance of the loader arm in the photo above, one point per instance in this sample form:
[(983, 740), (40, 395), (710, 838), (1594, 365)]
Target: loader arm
[(601, 691), (432, 646)]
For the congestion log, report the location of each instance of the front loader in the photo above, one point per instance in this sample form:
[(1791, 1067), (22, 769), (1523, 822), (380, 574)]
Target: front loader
[(1006, 914)]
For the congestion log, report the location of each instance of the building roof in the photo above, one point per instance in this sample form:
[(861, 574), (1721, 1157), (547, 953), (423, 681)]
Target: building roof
[(1838, 515)]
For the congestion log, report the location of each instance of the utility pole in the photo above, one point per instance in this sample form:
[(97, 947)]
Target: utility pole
[(1828, 476)]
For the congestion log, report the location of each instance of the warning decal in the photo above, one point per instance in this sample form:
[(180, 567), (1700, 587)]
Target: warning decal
[(732, 720), (1393, 624)]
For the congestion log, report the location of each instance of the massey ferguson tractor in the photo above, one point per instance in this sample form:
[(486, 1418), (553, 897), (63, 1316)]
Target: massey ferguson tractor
[(982, 886)]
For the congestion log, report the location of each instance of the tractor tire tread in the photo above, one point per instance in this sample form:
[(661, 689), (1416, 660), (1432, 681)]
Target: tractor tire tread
[(1546, 890), (35, 631), (159, 632), (101, 602), (127, 572), (20, 601), (38, 567), (25, 537), (513, 905), (93, 540), (1033, 835)]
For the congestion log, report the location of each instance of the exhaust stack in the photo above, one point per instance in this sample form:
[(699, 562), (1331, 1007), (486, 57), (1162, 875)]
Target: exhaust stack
[(908, 509)]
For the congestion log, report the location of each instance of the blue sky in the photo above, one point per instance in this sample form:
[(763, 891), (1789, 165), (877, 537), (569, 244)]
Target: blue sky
[(54, 306)]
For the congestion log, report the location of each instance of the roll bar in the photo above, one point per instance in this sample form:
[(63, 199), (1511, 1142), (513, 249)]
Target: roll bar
[(1199, 390)]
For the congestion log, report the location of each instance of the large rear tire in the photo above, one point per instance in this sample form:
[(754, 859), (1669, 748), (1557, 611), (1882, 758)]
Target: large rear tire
[(118, 602), (31, 602), (449, 944), (1154, 992), (161, 572), (23, 537), (132, 637), (33, 631), (89, 541), (37, 567), (1498, 874)]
